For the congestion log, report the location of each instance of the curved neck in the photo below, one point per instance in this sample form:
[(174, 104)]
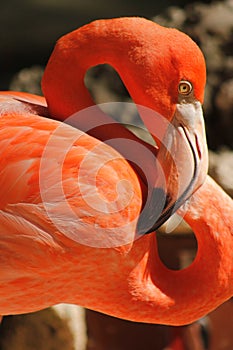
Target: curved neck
[(125, 45), (179, 297)]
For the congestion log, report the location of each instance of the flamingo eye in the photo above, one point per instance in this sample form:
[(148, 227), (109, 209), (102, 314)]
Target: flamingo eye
[(185, 87)]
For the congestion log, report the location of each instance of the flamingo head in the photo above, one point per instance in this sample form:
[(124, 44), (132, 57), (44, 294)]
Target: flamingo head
[(169, 76)]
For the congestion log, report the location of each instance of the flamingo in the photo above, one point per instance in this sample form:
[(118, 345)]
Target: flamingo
[(68, 236)]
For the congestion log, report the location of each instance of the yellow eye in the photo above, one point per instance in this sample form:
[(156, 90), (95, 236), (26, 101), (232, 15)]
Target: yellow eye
[(185, 87)]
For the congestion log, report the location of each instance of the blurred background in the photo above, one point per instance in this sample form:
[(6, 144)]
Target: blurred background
[(28, 32)]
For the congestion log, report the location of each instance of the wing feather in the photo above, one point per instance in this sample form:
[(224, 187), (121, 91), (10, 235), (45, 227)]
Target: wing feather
[(80, 184)]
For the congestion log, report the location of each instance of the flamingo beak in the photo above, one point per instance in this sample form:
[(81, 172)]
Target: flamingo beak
[(190, 121), (183, 159)]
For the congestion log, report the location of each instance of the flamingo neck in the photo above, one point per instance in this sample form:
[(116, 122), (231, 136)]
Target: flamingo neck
[(179, 297), (125, 45)]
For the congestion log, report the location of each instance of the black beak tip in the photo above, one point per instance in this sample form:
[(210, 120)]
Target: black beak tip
[(149, 219)]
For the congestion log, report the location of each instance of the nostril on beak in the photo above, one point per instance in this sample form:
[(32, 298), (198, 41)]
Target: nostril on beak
[(198, 147)]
